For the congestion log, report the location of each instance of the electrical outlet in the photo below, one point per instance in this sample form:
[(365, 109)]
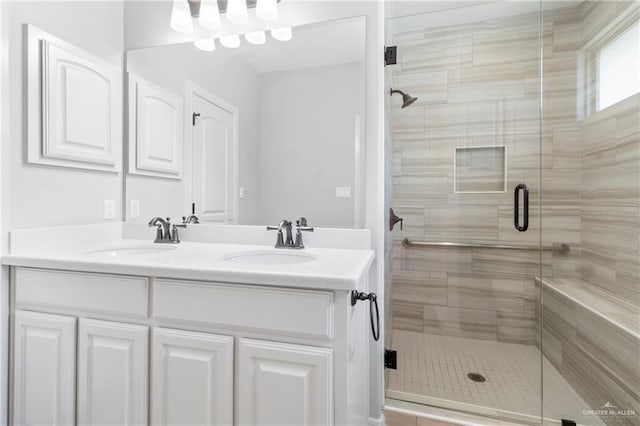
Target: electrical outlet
[(134, 209), (343, 192), (109, 209)]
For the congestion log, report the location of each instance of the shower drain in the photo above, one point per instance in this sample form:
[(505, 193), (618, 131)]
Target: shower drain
[(477, 377)]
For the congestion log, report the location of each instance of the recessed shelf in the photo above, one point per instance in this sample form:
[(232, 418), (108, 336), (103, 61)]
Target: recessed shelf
[(480, 169)]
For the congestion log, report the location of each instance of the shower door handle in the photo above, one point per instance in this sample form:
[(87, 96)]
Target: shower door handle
[(516, 208)]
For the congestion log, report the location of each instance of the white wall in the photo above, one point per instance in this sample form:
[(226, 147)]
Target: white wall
[(40, 195), (307, 128), (4, 173), (225, 75), (34, 195)]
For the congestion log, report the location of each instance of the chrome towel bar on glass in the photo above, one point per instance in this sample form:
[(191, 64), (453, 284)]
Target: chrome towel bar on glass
[(560, 248)]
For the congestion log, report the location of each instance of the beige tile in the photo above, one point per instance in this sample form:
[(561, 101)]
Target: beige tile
[(460, 322), (439, 50), (507, 44), (428, 87), (487, 82), (407, 316), (453, 223), (395, 418), (423, 421), (419, 287), (428, 154), (418, 189), (480, 169), (408, 121)]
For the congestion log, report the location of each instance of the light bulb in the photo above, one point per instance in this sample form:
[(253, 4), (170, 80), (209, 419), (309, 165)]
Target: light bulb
[(267, 10), (209, 14), (282, 34), (181, 17), (230, 41), (237, 11), (207, 44), (256, 37)]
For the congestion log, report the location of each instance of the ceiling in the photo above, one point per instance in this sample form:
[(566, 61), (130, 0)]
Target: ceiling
[(314, 45)]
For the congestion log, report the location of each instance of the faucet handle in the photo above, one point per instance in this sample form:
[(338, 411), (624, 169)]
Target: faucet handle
[(175, 238), (190, 219), (301, 225)]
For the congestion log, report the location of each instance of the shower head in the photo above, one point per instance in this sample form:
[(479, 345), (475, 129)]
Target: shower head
[(406, 98)]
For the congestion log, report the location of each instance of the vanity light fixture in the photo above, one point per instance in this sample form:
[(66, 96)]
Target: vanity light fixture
[(282, 34), (181, 17), (256, 37), (267, 10), (237, 12), (207, 44), (230, 41), (209, 15)]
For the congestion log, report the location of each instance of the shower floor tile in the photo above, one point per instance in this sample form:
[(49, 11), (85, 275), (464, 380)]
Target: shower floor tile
[(433, 370)]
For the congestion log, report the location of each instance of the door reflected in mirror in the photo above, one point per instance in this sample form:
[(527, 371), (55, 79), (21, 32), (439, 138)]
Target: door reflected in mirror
[(250, 135)]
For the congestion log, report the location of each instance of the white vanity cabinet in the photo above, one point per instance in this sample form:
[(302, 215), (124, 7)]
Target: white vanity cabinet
[(175, 352), (191, 378), (284, 384), (112, 373), (43, 369)]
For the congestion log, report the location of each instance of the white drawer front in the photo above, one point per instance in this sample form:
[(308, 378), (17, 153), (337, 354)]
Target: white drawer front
[(92, 293), (302, 313)]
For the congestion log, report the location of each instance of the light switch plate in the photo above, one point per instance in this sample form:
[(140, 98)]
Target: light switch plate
[(134, 209), (343, 192), (241, 192), (109, 209)]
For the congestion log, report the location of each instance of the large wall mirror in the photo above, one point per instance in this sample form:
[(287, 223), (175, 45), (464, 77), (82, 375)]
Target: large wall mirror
[(250, 135)]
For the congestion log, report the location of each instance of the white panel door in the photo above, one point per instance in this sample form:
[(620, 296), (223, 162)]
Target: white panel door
[(74, 103), (191, 378), (156, 130), (213, 161), (284, 384), (112, 373), (44, 369)]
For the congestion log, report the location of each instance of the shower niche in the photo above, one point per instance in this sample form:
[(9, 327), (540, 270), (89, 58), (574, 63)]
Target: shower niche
[(480, 169)]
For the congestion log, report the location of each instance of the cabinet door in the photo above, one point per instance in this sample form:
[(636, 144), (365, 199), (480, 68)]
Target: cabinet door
[(191, 378), (284, 384), (112, 373), (44, 369), (156, 130)]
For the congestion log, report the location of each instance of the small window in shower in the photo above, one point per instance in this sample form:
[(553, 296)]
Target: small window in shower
[(619, 68), (479, 169)]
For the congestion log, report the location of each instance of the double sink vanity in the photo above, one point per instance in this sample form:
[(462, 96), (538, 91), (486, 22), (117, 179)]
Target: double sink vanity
[(109, 327), (221, 323)]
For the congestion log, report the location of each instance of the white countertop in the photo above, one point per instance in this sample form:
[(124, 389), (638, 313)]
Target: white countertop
[(333, 268)]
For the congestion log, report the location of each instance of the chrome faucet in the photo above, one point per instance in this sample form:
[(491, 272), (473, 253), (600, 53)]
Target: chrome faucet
[(190, 219), (166, 232), (284, 238)]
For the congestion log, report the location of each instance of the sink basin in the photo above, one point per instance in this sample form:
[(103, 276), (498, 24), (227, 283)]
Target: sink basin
[(142, 250), (267, 257)]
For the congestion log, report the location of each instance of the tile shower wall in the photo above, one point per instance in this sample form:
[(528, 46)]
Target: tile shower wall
[(599, 307), (610, 160), (478, 85)]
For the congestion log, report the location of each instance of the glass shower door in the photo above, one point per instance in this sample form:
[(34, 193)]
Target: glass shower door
[(466, 171)]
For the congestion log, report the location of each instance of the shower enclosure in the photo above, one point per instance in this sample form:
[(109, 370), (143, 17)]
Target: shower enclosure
[(515, 281)]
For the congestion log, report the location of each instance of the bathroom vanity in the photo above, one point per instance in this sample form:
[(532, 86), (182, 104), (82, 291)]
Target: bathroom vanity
[(123, 331)]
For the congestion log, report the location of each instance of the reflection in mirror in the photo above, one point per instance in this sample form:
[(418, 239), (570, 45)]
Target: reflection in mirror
[(250, 135)]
